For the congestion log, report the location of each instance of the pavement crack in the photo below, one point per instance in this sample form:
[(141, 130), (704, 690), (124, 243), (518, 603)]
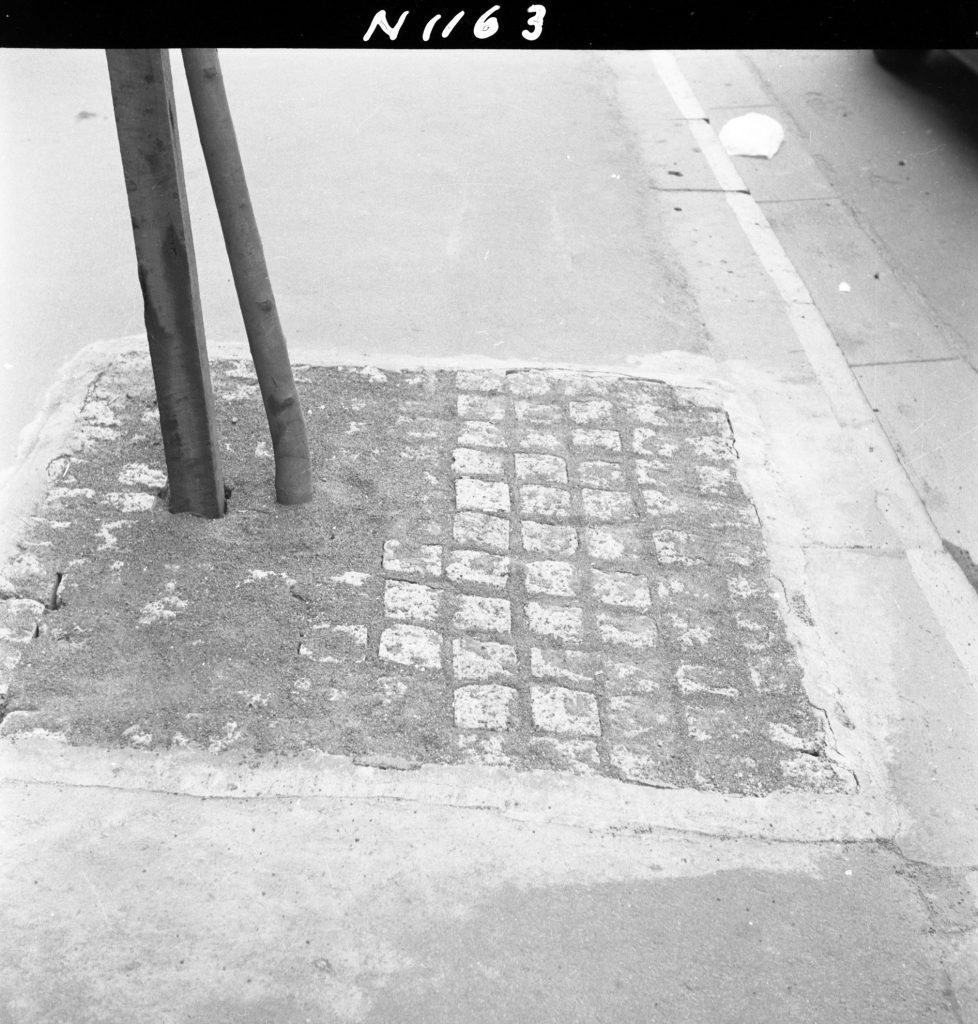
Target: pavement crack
[(733, 435), (828, 749)]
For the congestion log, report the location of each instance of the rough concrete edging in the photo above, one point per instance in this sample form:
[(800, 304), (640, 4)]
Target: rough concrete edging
[(23, 485), (593, 803), (704, 378)]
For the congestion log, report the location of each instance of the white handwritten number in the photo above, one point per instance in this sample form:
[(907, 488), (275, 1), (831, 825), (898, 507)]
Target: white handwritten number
[(448, 28), (426, 35), (535, 21), (487, 25)]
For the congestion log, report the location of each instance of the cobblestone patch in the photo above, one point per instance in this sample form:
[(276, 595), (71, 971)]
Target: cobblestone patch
[(524, 568)]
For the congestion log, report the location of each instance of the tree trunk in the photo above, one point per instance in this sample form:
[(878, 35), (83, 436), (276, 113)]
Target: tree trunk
[(142, 95), (293, 475)]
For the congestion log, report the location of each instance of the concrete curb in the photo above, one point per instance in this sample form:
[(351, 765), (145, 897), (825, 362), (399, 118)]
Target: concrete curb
[(942, 580)]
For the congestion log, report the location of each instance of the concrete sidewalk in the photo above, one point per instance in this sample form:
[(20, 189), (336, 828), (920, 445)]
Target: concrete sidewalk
[(581, 690)]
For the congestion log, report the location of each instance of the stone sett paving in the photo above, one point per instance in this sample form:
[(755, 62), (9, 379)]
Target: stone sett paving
[(532, 569)]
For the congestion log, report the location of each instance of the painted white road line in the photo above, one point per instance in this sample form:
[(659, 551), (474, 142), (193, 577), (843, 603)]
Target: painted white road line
[(679, 89), (950, 596), (723, 170), (698, 123)]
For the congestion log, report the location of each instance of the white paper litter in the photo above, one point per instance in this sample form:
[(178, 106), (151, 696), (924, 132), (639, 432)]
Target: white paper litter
[(752, 135)]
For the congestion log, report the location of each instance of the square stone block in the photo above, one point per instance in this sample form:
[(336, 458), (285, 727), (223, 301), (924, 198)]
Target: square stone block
[(623, 589), (534, 440), (560, 710), (675, 547), (568, 666), (546, 468), (539, 502), (713, 448), (710, 679), (690, 629), (636, 631), (411, 601), (480, 434), (569, 755), (601, 474), (480, 380), (716, 480), (556, 578), (658, 503), (529, 383), (604, 545), (649, 768), (477, 529), (772, 673), (482, 659), (596, 412), (742, 587), (481, 495), (475, 748), (479, 568), (481, 407), (721, 723), (636, 715), (546, 539), (482, 614), (650, 442), (588, 385), (607, 506), (487, 706), (537, 412), (473, 462), (419, 428), (411, 645), (649, 413), (647, 675), (560, 621), (650, 472), (597, 440), (412, 559)]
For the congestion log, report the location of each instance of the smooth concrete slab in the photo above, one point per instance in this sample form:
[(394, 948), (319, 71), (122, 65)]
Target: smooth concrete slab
[(930, 413), (874, 315), (816, 466), (900, 681), (173, 908)]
